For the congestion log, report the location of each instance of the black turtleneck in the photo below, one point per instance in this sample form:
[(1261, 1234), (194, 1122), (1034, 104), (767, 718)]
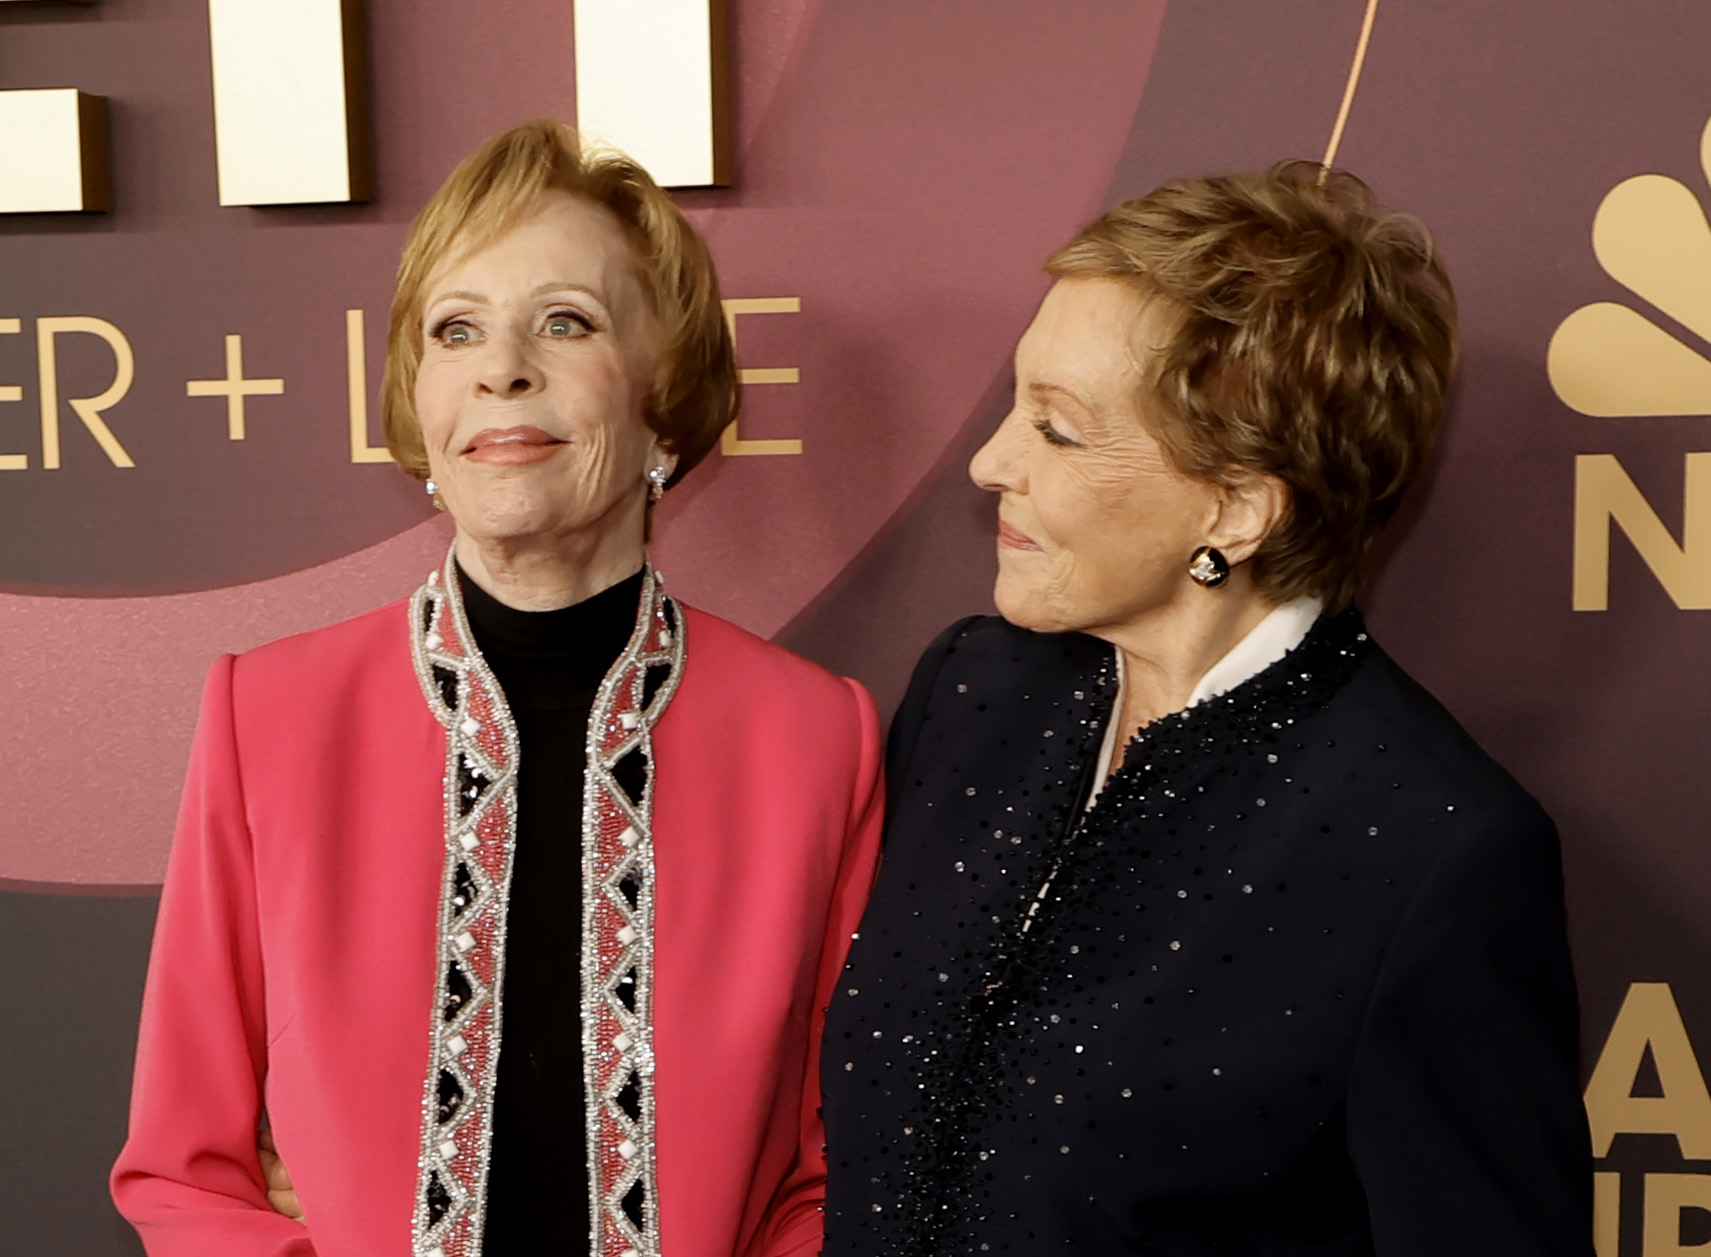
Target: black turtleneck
[(549, 664)]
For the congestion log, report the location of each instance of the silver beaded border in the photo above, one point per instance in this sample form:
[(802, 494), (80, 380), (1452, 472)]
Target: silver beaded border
[(621, 1150), (441, 639)]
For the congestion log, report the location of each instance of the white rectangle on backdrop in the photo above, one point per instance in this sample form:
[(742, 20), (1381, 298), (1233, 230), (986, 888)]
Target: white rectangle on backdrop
[(43, 138), (650, 80), (282, 107)]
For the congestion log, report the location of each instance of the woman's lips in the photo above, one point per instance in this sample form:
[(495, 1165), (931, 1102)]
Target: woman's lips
[(524, 444), (1008, 536)]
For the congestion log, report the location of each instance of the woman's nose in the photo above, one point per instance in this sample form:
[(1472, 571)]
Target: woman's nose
[(508, 368), (993, 467)]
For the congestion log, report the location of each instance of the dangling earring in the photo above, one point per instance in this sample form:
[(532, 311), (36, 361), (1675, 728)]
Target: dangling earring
[(657, 476), (434, 493), (1208, 567)]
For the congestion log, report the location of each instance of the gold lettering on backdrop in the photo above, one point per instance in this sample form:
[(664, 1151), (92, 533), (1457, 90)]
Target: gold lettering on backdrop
[(1612, 359), (234, 388), (731, 441), (12, 393), (1649, 1019), (1667, 1195), (1606, 1213), (356, 385), (88, 409), (1605, 498)]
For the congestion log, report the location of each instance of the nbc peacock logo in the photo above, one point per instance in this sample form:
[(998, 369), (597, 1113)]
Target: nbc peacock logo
[(1613, 360), (1608, 359)]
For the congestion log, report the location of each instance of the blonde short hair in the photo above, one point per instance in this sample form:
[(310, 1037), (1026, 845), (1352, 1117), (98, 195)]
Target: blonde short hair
[(1314, 336), (694, 394)]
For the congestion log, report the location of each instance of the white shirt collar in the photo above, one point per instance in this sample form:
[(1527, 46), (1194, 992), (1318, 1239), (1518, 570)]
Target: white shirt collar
[(1268, 641), (1271, 639)]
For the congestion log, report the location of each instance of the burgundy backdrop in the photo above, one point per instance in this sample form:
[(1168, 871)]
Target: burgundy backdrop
[(901, 170)]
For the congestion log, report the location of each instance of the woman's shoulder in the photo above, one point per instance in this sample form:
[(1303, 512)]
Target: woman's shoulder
[(739, 666), (982, 640), (331, 657), (1400, 717), (1005, 661), (981, 683), (989, 635)]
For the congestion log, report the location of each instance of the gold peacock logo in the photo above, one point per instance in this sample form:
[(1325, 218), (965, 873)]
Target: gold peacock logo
[(1608, 359)]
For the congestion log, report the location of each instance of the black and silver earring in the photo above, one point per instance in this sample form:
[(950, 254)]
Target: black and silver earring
[(1208, 567), (657, 476)]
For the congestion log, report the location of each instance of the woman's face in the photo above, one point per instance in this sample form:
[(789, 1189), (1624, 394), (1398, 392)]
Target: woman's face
[(537, 354), (1095, 528)]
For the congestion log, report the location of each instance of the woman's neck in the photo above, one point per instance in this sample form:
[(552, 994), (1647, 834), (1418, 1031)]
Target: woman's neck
[(532, 574), (1166, 653)]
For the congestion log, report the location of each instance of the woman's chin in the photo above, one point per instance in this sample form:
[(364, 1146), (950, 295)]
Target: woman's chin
[(1025, 609), (515, 522), (549, 513)]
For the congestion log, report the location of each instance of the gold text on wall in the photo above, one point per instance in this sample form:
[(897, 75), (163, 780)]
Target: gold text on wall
[(234, 390), (1619, 360)]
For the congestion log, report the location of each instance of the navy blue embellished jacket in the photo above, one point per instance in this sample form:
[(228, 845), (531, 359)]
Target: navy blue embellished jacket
[(1298, 983)]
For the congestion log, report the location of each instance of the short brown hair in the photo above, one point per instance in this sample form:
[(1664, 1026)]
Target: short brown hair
[(694, 394), (1314, 338)]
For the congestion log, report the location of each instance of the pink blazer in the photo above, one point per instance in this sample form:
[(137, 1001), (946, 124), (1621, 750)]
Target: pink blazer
[(293, 969)]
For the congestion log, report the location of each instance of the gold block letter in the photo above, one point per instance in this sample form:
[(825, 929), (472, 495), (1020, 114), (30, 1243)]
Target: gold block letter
[(87, 409), (1606, 1213), (1649, 1018), (356, 384), (730, 441), (1605, 497), (1666, 1196), (12, 393)]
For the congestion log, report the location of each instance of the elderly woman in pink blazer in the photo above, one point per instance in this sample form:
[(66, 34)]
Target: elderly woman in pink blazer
[(537, 866)]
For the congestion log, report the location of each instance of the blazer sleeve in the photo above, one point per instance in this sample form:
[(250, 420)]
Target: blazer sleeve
[(795, 1222), (1465, 1120), (188, 1178)]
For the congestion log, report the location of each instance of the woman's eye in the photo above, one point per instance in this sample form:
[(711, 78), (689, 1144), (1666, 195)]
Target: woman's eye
[(562, 326), (1052, 435), (454, 332)]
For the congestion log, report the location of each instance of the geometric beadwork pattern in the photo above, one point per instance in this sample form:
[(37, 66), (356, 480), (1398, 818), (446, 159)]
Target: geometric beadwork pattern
[(480, 801), (618, 931), (481, 830)]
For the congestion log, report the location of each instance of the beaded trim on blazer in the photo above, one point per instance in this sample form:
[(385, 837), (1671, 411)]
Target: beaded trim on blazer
[(480, 788)]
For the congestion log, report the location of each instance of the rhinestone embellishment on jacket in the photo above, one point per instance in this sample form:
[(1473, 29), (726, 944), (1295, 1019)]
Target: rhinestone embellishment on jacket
[(480, 788)]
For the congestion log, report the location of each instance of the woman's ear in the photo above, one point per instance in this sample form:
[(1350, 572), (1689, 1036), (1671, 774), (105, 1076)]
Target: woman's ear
[(1248, 509)]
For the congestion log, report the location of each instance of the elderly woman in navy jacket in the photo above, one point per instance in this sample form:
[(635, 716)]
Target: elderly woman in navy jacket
[(1202, 928)]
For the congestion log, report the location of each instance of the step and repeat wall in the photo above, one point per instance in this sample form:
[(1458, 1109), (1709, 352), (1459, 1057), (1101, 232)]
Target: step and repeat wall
[(190, 461)]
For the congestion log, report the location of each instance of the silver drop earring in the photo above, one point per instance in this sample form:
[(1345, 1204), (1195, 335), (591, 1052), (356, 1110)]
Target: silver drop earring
[(657, 476), (434, 495)]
